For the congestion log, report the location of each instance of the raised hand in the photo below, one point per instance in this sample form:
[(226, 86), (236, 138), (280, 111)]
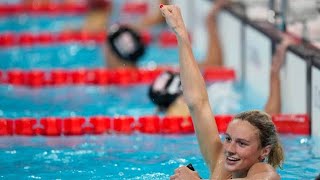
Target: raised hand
[(174, 19), (218, 5), (215, 10), (279, 55)]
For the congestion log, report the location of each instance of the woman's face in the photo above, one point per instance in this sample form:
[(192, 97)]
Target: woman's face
[(241, 146)]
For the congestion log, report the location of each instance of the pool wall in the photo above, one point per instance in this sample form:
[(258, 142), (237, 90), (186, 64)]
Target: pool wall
[(315, 107)]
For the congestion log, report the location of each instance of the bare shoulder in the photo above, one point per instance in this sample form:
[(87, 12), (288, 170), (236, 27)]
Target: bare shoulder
[(263, 171)]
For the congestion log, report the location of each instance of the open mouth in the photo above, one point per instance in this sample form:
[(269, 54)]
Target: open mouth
[(232, 159)]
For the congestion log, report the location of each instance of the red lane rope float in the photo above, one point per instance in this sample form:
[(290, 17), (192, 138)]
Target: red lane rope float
[(168, 39), (296, 124), (219, 74), (124, 124), (6, 127), (123, 76), (137, 8), (50, 8), (15, 77), (54, 126), (146, 37), (25, 126), (7, 40), (99, 125), (149, 124), (1, 77), (73, 126)]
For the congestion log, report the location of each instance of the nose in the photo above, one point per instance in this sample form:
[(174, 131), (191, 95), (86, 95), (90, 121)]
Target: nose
[(230, 148)]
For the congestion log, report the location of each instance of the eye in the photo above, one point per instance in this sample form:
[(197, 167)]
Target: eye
[(228, 139), (242, 144)]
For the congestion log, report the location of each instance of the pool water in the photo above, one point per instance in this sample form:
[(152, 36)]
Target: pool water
[(70, 55), (137, 156), (112, 156), (78, 101), (76, 55), (40, 23), (87, 101)]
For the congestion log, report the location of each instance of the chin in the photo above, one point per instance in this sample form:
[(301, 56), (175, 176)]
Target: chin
[(236, 167), (231, 168)]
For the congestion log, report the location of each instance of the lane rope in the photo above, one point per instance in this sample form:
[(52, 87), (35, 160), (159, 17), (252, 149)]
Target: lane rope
[(55, 126), (53, 8), (166, 39), (38, 78)]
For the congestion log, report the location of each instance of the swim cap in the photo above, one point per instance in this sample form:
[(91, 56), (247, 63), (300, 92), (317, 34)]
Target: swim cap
[(126, 43), (165, 89)]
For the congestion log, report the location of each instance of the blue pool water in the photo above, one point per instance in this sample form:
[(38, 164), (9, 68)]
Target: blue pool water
[(70, 55), (136, 156), (75, 55), (40, 23), (96, 100)]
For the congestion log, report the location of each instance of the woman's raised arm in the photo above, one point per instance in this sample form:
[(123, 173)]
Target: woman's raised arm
[(194, 89)]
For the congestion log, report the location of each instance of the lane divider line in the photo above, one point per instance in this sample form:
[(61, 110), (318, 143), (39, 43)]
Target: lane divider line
[(69, 126)]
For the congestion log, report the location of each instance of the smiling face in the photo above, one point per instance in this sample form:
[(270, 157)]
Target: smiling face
[(241, 146)]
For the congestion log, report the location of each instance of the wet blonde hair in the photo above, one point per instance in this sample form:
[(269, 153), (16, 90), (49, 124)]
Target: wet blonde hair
[(267, 134)]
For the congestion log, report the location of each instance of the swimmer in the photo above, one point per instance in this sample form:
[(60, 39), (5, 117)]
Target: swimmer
[(166, 93), (123, 47), (251, 149), (160, 92)]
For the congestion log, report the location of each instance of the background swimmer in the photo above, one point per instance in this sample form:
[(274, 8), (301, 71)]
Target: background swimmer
[(166, 93), (123, 47)]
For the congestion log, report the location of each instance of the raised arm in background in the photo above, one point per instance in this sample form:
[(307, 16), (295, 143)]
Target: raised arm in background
[(98, 16), (273, 105), (214, 56), (194, 89)]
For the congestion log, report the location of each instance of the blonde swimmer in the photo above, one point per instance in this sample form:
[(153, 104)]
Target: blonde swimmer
[(251, 149)]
